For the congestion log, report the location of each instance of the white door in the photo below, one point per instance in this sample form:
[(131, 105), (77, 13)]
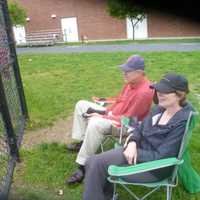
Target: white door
[(19, 34), (140, 30), (69, 29)]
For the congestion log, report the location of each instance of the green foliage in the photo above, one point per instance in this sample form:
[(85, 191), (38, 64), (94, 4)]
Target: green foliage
[(124, 8), (17, 13)]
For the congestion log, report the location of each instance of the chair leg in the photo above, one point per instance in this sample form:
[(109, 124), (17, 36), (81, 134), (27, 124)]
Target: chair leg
[(104, 142), (102, 150), (169, 192), (114, 192)]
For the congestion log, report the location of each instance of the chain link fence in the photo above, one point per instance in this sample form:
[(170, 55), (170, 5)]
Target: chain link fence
[(13, 111)]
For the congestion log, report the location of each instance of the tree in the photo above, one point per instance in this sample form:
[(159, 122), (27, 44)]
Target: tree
[(17, 13), (123, 9)]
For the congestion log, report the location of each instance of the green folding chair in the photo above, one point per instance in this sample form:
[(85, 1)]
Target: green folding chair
[(116, 172), (117, 134)]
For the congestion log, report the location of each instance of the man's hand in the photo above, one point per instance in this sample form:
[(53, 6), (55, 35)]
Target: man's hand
[(93, 115), (131, 153), (91, 112)]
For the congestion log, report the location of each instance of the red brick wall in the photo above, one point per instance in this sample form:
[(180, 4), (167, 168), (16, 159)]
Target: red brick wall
[(92, 18), (163, 25), (96, 24)]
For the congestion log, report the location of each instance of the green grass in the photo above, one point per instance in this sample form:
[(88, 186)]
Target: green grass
[(53, 83), (149, 41), (47, 166), (122, 42)]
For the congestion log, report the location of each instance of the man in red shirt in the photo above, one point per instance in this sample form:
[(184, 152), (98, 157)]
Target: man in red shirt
[(92, 121)]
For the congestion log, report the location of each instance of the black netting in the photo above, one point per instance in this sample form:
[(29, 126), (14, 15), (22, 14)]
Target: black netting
[(4, 48), (12, 103), (4, 156), (12, 97)]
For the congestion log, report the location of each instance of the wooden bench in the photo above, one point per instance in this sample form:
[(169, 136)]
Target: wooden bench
[(43, 38)]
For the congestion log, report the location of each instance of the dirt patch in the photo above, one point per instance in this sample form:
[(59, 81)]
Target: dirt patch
[(59, 132)]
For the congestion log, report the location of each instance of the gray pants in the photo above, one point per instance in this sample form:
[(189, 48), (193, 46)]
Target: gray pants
[(91, 131), (96, 185)]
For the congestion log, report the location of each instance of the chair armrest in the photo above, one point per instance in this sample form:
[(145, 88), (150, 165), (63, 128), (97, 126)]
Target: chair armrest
[(125, 121), (114, 170)]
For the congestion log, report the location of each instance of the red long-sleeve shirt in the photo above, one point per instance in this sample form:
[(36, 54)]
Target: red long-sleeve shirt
[(134, 100)]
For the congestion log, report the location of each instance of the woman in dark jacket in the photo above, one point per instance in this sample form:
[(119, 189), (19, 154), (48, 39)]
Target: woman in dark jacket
[(159, 136)]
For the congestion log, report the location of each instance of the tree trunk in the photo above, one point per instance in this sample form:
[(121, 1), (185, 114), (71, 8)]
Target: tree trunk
[(133, 28), (134, 24)]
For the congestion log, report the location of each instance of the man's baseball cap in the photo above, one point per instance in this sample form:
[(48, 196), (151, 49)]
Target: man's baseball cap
[(171, 83), (134, 62)]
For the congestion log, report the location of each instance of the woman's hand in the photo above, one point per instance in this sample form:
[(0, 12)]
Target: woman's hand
[(127, 140), (131, 153)]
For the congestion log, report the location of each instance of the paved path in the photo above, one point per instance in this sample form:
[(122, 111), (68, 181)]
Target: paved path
[(112, 48)]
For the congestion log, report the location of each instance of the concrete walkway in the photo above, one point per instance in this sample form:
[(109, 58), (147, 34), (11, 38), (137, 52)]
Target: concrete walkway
[(112, 48)]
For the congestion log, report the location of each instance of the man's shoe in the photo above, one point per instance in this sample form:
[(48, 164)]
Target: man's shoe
[(74, 146), (76, 177)]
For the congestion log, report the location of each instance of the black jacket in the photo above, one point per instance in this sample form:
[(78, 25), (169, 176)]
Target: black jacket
[(160, 141)]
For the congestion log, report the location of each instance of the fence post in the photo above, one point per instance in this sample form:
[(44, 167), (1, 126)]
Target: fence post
[(16, 69), (12, 120), (8, 123)]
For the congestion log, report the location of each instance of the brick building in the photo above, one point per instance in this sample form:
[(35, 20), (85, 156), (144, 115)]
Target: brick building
[(73, 20)]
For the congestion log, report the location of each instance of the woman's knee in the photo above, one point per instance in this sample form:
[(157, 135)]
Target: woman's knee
[(91, 161)]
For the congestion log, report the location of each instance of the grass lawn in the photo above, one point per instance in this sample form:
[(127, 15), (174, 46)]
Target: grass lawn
[(124, 42), (149, 41), (54, 83)]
